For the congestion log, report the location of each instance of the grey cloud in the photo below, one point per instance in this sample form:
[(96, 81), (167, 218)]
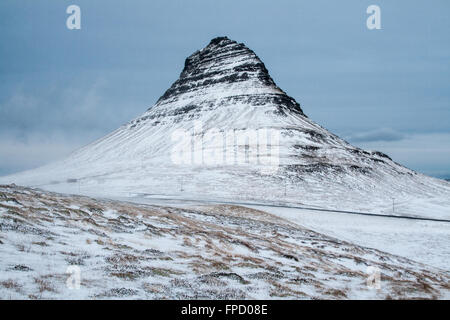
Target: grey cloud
[(70, 108), (30, 151), (382, 134)]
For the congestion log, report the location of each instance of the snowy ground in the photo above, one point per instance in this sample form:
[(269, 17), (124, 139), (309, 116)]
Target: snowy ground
[(423, 241), (420, 240), (127, 250)]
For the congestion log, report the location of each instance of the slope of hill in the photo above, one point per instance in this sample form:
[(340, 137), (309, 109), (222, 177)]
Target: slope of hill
[(224, 130), (124, 250)]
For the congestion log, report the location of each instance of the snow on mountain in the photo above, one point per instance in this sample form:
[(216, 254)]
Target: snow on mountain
[(249, 141)]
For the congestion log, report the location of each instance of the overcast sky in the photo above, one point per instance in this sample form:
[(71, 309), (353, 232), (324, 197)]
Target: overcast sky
[(385, 89)]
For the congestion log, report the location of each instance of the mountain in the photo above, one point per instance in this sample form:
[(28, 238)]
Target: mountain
[(224, 130)]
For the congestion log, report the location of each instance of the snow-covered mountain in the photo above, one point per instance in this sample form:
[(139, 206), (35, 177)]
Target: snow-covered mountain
[(249, 141)]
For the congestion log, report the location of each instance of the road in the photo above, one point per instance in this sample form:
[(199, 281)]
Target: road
[(153, 197)]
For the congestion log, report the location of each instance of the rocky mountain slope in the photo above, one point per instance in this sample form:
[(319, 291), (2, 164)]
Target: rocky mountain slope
[(124, 250), (225, 107)]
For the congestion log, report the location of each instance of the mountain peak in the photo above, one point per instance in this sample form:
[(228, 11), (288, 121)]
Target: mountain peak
[(218, 40), (224, 64)]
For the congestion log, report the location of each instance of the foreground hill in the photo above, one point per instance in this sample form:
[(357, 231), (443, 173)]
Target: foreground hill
[(140, 251)]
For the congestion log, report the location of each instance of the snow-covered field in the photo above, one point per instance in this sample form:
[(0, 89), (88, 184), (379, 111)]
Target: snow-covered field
[(422, 241), (126, 250)]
